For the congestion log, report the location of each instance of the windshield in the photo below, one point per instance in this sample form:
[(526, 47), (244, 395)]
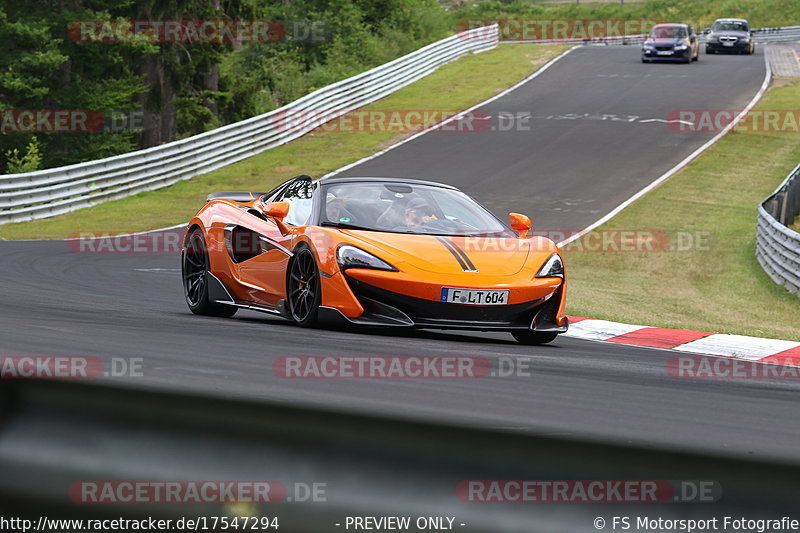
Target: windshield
[(404, 208), (730, 26), (668, 32)]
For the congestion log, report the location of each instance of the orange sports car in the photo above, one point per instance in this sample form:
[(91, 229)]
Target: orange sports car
[(373, 252)]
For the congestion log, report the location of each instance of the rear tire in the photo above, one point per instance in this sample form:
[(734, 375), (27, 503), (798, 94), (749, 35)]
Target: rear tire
[(195, 271), (533, 338)]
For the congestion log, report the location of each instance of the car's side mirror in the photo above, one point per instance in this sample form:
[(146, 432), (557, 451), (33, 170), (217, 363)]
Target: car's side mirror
[(520, 223), (707, 31), (277, 210)]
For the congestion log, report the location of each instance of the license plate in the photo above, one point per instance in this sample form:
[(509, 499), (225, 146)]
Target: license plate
[(665, 53), (727, 44), (474, 296)]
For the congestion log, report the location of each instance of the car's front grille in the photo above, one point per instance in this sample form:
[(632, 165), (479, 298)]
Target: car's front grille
[(663, 48), (429, 312), (728, 39)]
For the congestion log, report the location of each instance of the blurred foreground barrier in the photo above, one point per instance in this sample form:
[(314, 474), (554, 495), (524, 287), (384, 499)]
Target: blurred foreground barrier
[(61, 441)]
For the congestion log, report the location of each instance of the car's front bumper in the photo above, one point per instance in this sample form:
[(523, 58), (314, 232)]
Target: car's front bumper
[(384, 307), (735, 47), (673, 55)]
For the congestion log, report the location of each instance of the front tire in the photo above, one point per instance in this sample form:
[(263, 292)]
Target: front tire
[(303, 292), (533, 337), (195, 271)]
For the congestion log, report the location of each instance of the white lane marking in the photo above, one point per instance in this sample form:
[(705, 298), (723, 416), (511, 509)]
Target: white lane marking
[(680, 166), (454, 117), (600, 330), (603, 117), (742, 346), (587, 116), (176, 226), (688, 123), (157, 269), (105, 237), (654, 76)]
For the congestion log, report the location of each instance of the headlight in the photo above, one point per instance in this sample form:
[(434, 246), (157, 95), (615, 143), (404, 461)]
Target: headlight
[(552, 268), (352, 257), (648, 46), (681, 46)]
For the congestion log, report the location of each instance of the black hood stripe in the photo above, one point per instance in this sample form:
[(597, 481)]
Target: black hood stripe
[(459, 254), (453, 251), (463, 254)]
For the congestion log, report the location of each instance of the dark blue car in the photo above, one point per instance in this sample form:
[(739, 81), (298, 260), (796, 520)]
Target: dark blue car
[(671, 42)]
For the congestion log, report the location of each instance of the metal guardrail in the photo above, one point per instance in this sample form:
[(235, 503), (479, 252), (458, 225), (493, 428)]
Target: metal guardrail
[(55, 191), (777, 246), (772, 35), (761, 36), (56, 434), (618, 39)]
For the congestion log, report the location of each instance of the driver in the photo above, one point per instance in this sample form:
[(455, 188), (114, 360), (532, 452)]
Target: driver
[(418, 213)]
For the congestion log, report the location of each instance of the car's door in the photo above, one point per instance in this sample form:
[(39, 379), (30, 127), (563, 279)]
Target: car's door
[(265, 272)]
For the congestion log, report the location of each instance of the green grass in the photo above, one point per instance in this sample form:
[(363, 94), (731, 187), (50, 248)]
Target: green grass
[(700, 13), (721, 288), (455, 86)]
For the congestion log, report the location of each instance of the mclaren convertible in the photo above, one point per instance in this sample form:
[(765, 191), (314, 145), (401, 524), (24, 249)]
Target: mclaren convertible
[(373, 252)]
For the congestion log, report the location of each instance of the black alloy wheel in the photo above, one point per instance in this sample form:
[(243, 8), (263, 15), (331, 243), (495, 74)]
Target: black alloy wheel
[(195, 272), (303, 287)]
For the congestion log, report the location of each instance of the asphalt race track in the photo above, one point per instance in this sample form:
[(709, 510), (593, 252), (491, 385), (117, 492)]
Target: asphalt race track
[(566, 173)]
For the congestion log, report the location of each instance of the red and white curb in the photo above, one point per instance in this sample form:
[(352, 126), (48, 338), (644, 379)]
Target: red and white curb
[(683, 340)]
